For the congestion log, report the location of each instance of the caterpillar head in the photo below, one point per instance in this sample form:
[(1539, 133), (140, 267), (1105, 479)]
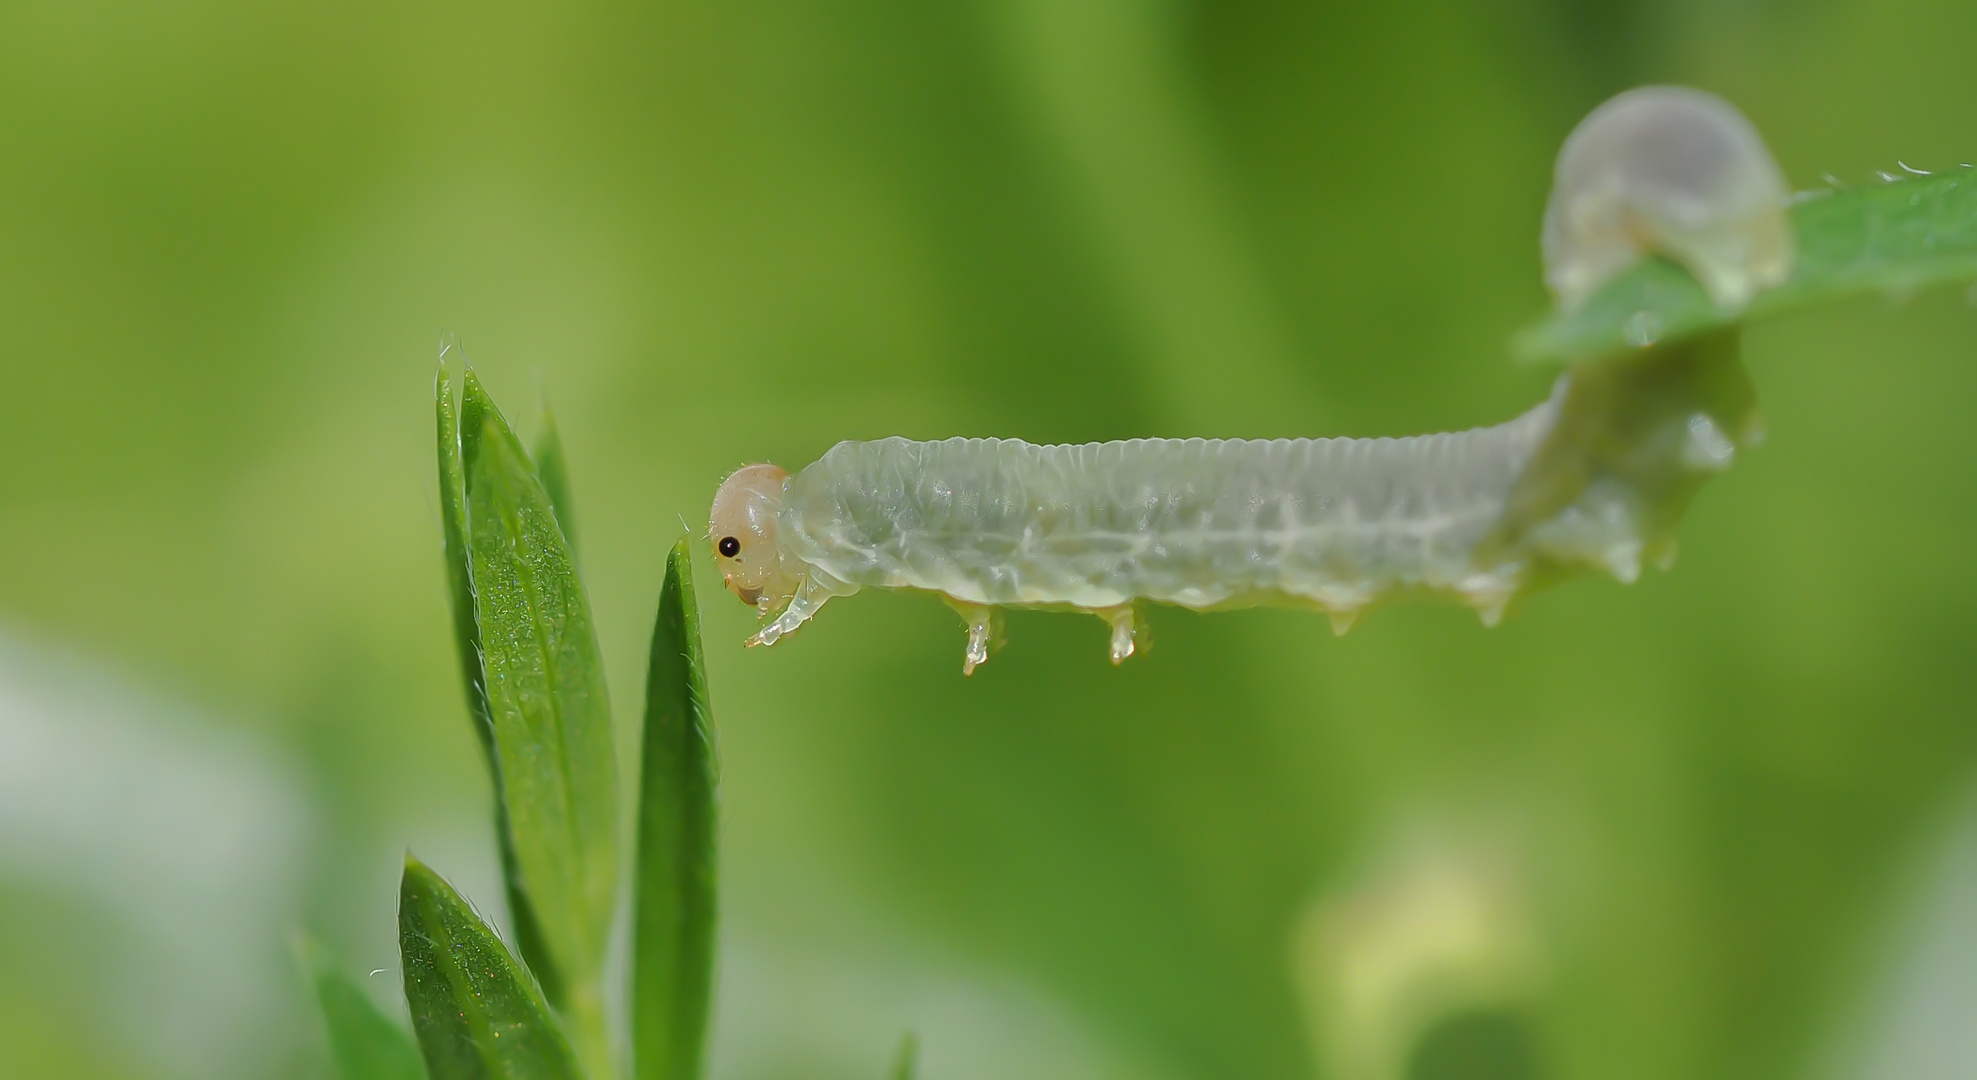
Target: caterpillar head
[(1673, 171), (742, 526)]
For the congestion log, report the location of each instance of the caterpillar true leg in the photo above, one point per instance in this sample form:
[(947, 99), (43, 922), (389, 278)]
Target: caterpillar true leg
[(984, 632), (811, 592)]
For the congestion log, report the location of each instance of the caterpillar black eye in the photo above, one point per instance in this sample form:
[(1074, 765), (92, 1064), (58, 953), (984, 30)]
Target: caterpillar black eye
[(729, 547)]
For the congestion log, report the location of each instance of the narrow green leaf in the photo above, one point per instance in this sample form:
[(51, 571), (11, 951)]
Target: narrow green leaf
[(554, 469), (476, 1012), (466, 639), (546, 698), (366, 1043), (906, 1064), (673, 923), (550, 713), (1893, 237)]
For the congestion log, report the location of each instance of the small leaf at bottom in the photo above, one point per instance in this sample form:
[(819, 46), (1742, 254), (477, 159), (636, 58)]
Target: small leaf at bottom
[(476, 1011)]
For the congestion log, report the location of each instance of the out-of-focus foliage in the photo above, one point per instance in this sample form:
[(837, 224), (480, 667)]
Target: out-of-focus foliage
[(1666, 830), (553, 465), (904, 1062), (366, 1044)]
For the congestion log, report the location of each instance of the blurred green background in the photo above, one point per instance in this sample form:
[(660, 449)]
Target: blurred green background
[(1718, 824)]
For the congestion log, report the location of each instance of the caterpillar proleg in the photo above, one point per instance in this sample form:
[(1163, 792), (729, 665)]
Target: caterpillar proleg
[(1595, 477)]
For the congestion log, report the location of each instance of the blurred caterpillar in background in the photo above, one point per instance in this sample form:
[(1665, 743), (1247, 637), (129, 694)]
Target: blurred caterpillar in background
[(1596, 477)]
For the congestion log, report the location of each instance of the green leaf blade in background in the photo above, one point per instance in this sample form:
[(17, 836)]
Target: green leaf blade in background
[(466, 637), (549, 711), (367, 1044), (552, 466), (476, 1011), (673, 920), (906, 1062), (1894, 237)]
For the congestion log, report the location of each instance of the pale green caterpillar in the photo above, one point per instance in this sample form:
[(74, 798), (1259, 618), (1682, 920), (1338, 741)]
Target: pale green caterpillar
[(1596, 477)]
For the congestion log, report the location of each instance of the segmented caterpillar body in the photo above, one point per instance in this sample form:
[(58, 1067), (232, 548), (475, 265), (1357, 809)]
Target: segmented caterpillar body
[(1197, 522)]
